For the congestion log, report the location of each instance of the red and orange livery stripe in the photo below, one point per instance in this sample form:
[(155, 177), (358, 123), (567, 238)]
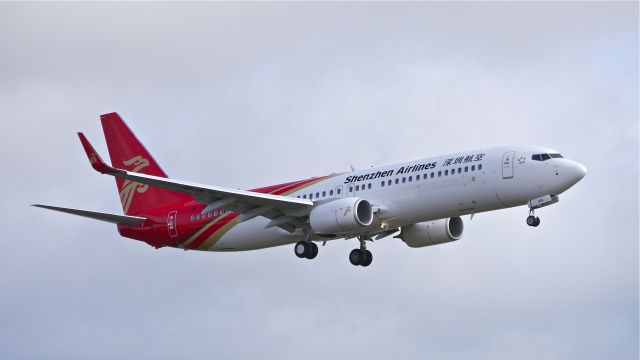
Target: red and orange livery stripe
[(210, 233)]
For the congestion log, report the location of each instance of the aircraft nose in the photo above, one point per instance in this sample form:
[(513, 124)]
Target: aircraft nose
[(576, 171)]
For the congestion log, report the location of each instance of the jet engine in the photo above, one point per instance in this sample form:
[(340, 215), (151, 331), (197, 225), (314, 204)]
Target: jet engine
[(341, 216), (432, 232)]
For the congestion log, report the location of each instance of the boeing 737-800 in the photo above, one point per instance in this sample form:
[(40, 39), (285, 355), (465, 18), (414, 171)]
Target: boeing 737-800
[(421, 201)]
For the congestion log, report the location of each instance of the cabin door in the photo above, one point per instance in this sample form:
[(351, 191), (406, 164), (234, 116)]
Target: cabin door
[(507, 164)]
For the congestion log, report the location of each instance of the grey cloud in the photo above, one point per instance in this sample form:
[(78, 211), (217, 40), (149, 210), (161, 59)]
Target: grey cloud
[(249, 94)]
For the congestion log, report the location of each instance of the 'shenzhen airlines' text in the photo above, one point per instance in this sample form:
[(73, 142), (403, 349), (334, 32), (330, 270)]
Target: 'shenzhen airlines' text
[(414, 168), (382, 174)]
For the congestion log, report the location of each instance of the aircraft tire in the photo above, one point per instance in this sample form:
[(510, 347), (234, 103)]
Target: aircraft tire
[(312, 251), (366, 259), (354, 257), (531, 220), (301, 249)]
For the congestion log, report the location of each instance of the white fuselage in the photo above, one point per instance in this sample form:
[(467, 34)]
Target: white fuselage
[(427, 189)]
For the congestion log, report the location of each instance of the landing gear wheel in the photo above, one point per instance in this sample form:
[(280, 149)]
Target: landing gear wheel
[(306, 249), (354, 257), (360, 257), (366, 259), (536, 222), (531, 220), (313, 251), (301, 249)]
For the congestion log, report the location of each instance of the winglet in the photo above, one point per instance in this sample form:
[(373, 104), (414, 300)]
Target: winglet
[(94, 158)]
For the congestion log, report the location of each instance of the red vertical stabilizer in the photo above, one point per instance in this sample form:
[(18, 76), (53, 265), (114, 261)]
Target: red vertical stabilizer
[(128, 153)]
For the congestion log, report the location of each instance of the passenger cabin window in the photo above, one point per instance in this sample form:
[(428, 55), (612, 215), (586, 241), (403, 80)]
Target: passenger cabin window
[(479, 166), (417, 177), (410, 177), (432, 175), (404, 180), (339, 191), (439, 173), (369, 186), (330, 192), (473, 168), (382, 183), (466, 169), (397, 181), (459, 170), (310, 196), (446, 173), (389, 182), (357, 187), (324, 193)]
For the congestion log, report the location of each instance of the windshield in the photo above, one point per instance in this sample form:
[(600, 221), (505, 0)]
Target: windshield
[(545, 157)]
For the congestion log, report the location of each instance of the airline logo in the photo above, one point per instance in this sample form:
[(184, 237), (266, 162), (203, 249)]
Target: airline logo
[(129, 188), (93, 158)]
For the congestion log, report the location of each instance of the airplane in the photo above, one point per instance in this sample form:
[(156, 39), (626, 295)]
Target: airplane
[(422, 201)]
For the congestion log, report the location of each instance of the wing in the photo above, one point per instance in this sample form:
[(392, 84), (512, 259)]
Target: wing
[(283, 211), (112, 218)]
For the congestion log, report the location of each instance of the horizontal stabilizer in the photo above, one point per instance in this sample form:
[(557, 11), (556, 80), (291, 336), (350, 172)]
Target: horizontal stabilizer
[(112, 218)]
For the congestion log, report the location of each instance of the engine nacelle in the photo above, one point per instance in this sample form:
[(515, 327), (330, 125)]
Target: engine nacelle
[(433, 232), (341, 216)]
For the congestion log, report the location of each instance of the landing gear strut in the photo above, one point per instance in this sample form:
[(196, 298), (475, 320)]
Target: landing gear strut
[(306, 249), (361, 256), (532, 220)]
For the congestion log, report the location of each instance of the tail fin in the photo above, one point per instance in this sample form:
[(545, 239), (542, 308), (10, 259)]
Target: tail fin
[(128, 153)]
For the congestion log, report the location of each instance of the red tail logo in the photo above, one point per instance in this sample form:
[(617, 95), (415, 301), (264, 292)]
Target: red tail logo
[(129, 188)]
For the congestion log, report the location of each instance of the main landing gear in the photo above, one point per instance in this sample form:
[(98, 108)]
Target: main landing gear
[(533, 220), (306, 249), (361, 256)]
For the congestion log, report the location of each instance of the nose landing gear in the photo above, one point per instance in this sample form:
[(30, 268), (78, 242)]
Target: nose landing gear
[(533, 220)]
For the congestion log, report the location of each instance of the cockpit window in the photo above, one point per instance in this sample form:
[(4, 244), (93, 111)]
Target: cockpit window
[(545, 157)]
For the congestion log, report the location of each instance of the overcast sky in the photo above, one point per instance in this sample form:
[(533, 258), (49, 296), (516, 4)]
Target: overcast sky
[(243, 95)]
